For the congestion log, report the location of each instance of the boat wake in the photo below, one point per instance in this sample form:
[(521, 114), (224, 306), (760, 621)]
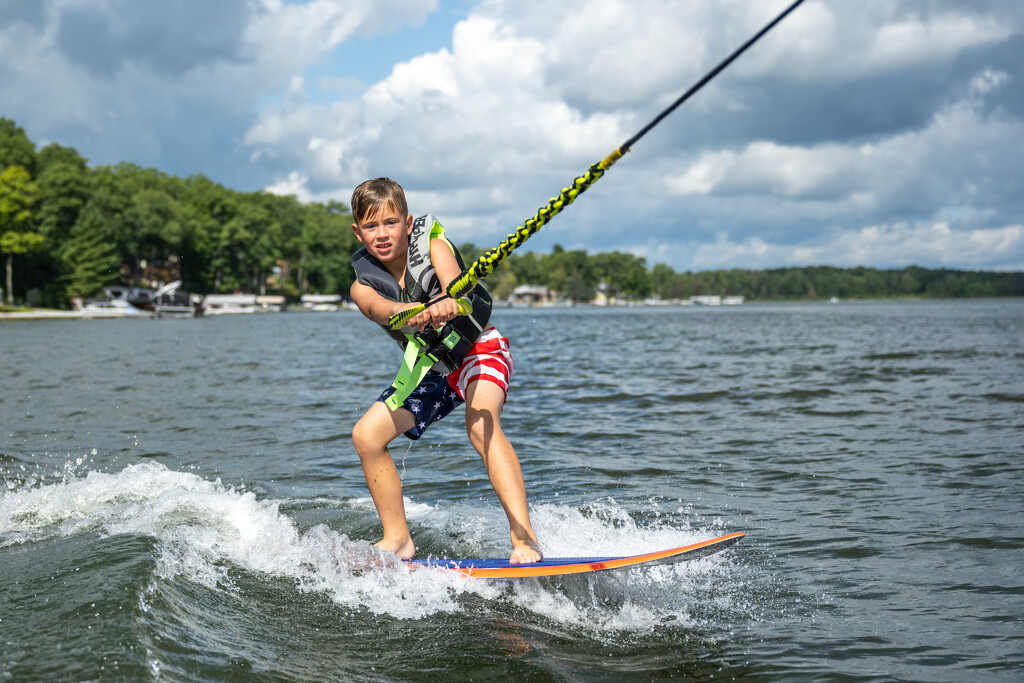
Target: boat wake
[(211, 534)]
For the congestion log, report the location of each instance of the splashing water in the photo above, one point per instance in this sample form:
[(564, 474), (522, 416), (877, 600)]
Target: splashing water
[(206, 531)]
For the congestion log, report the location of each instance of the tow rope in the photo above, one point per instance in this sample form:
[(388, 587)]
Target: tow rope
[(485, 265)]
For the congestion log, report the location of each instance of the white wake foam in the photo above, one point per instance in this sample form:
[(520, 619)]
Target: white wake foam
[(205, 528)]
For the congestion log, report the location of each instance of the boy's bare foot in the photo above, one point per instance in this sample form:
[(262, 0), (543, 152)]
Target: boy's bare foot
[(404, 548), (525, 552)]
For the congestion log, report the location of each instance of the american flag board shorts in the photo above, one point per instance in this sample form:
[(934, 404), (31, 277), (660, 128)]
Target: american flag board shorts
[(489, 360)]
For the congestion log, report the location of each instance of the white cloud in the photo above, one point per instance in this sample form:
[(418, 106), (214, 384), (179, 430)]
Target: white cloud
[(294, 184), (988, 81), (527, 98), (135, 81), (958, 159), (462, 120), (849, 114), (613, 54), (824, 41)]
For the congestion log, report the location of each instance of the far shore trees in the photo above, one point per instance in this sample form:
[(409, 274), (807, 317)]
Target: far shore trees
[(68, 229)]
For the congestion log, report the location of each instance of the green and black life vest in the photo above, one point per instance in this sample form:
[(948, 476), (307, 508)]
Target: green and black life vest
[(421, 286)]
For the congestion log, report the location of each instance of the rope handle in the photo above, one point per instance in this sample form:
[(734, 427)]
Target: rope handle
[(398, 320)]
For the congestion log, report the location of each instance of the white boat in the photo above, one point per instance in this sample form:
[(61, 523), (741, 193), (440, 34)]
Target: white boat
[(321, 302), (224, 304), (116, 302), (171, 300)]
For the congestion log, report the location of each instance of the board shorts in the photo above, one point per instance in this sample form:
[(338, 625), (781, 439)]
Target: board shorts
[(488, 360)]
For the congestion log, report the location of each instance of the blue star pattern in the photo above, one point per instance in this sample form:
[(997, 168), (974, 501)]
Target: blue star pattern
[(432, 400)]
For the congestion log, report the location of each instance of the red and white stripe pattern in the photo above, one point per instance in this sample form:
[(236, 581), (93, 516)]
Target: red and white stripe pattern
[(488, 359)]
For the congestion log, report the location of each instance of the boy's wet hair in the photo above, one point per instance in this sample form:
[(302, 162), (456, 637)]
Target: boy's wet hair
[(371, 195)]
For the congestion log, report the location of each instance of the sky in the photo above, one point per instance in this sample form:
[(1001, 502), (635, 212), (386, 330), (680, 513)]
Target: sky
[(882, 133)]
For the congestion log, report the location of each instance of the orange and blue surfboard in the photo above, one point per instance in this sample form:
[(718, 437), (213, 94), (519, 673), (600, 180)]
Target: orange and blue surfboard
[(559, 566)]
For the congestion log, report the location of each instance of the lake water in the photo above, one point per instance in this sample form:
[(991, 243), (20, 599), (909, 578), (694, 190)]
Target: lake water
[(180, 499)]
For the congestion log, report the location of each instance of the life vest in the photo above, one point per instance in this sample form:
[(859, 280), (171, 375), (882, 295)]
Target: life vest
[(422, 286)]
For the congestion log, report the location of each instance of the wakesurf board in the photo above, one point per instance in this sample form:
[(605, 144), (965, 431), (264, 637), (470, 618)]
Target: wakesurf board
[(559, 566)]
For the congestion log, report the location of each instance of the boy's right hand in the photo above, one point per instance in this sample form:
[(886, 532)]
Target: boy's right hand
[(435, 315)]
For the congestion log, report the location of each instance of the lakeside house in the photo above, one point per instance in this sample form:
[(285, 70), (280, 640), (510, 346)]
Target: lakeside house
[(532, 295)]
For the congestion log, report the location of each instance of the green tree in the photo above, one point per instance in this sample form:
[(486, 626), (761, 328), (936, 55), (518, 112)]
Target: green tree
[(663, 280), (502, 284), (154, 230), (15, 147), (571, 270), (209, 206), (17, 195), (326, 249), (238, 253), (792, 284), (91, 256), (528, 268), (289, 218), (626, 274), (578, 288), (64, 188), (558, 280)]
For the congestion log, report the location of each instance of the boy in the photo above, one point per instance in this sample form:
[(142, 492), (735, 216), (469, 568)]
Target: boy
[(393, 272)]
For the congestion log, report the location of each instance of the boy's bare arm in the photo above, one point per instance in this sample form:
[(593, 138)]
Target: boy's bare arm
[(377, 308), (443, 260)]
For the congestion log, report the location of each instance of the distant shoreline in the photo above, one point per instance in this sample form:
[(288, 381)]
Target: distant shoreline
[(58, 314)]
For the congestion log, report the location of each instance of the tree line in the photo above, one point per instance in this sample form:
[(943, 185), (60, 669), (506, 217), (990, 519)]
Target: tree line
[(67, 229), (577, 275)]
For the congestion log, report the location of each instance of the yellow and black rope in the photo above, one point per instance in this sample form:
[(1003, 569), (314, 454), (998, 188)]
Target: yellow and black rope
[(485, 265), (487, 262)]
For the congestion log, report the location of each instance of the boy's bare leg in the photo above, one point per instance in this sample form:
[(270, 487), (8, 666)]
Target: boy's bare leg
[(484, 401), (371, 436)]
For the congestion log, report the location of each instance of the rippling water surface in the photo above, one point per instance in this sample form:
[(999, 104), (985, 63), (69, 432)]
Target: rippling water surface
[(180, 500)]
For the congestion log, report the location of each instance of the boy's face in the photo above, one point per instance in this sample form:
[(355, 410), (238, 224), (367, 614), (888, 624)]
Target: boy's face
[(384, 233)]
